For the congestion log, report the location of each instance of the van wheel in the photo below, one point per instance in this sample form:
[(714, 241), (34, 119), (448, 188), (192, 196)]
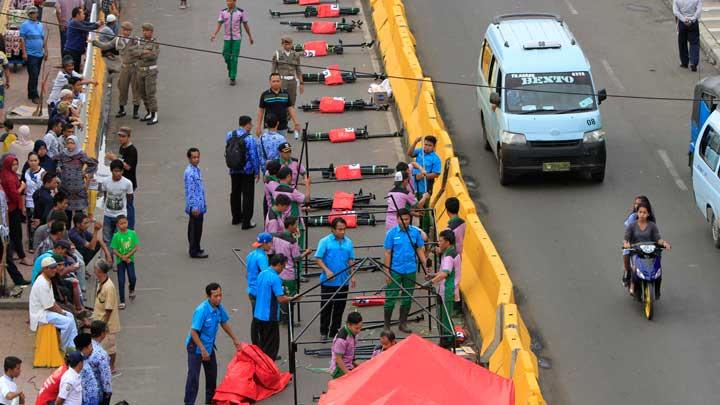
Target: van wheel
[(715, 230), (484, 132), (505, 178)]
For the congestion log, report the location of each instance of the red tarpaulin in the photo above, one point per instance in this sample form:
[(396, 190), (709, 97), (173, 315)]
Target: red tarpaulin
[(416, 371), (251, 376)]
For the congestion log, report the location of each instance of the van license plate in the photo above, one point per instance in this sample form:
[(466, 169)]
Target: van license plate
[(556, 166)]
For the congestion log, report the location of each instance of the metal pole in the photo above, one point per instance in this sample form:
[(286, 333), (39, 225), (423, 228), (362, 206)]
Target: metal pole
[(291, 354)]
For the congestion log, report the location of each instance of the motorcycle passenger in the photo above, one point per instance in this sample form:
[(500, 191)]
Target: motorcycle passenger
[(643, 230), (631, 219)]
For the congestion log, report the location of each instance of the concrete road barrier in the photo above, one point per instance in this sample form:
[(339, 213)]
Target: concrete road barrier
[(486, 286)]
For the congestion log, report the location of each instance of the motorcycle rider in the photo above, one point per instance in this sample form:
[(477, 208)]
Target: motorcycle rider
[(642, 231), (631, 219)]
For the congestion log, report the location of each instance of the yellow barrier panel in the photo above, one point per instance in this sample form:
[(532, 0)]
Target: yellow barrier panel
[(94, 115), (485, 284)]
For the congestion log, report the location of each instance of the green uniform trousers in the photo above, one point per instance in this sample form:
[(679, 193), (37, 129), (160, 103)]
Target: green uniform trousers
[(128, 79), (445, 327), (147, 83), (292, 287), (425, 218), (231, 52), (408, 282)]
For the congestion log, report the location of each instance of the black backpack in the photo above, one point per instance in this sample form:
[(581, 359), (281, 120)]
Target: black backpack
[(236, 151)]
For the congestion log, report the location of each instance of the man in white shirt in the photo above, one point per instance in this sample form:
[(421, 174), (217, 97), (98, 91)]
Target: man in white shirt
[(118, 191), (70, 383), (44, 309), (687, 14), (9, 394)]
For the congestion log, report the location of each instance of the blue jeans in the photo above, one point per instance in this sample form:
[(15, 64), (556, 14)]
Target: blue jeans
[(131, 213), (193, 376), (109, 227), (123, 267), (34, 63), (65, 323)]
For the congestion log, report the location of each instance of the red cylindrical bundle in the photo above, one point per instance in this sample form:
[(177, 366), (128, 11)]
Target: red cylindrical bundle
[(332, 74), (323, 27), (332, 105), (343, 201), (348, 172), (328, 10), (339, 135), (315, 48)]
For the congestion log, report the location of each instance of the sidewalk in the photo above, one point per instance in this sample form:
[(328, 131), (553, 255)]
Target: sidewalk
[(709, 29)]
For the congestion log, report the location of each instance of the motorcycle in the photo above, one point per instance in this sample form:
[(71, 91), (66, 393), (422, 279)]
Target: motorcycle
[(646, 265)]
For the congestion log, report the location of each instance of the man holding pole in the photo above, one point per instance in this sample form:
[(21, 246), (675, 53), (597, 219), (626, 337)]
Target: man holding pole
[(404, 250), (426, 168)]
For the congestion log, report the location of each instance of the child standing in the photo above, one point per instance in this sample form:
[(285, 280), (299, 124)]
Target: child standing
[(124, 245), (344, 344)]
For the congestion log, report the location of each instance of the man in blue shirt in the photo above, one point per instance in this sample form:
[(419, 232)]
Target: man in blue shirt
[(269, 142), (195, 205), (426, 168), (34, 50), (242, 192), (334, 255), (76, 37), (257, 261), (403, 247), (265, 327), (200, 343)]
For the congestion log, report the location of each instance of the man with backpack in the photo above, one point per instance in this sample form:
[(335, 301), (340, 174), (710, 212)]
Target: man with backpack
[(241, 157)]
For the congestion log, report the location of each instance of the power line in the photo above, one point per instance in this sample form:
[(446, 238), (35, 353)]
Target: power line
[(422, 79)]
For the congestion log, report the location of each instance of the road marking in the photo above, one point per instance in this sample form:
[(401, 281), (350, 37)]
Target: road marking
[(570, 6), (671, 168), (612, 75)]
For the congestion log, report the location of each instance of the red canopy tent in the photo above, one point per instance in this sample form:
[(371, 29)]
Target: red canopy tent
[(416, 371), (251, 376)]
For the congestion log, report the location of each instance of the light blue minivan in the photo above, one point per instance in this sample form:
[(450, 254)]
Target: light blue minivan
[(537, 100), (705, 176)]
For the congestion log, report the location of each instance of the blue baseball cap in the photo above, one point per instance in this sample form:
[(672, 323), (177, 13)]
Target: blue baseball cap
[(262, 238)]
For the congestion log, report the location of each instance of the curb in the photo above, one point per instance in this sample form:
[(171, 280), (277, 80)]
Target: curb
[(708, 43)]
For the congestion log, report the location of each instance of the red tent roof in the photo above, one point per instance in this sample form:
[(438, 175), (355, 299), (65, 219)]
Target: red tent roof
[(416, 371)]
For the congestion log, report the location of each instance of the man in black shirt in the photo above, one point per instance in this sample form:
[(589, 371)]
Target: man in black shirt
[(129, 156), (43, 199), (277, 101)]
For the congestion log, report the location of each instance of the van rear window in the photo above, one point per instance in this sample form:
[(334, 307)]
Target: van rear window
[(549, 93)]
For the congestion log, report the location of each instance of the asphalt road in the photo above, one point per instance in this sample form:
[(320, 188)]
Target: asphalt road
[(560, 237), (197, 108)]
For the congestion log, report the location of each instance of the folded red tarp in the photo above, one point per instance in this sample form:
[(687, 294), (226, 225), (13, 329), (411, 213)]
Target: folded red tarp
[(251, 376), (417, 371)]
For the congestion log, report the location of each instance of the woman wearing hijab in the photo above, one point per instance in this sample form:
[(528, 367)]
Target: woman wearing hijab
[(75, 169), (32, 177), (13, 190), (45, 161), (22, 145)]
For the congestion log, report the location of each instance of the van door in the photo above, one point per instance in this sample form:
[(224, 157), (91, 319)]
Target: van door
[(486, 64), (497, 115), (706, 183)]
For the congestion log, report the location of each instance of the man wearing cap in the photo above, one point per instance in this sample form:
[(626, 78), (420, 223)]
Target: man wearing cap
[(286, 160), (77, 33), (148, 72), (34, 50), (107, 32), (71, 389), (200, 343), (231, 17), (257, 261), (242, 179), (62, 80), (286, 63), (129, 51), (44, 310)]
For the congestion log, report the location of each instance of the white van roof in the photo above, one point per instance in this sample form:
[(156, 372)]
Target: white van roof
[(535, 43)]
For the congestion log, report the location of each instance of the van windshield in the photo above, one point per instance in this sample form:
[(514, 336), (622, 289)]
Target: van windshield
[(549, 93)]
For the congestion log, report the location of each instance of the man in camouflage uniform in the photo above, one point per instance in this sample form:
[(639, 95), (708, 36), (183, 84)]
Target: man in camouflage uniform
[(286, 62), (148, 72), (129, 50)]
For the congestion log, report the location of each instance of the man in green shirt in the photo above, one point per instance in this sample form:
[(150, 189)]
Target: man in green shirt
[(124, 245)]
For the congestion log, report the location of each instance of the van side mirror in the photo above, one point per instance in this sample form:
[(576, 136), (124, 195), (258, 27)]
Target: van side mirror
[(494, 99), (602, 96)]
